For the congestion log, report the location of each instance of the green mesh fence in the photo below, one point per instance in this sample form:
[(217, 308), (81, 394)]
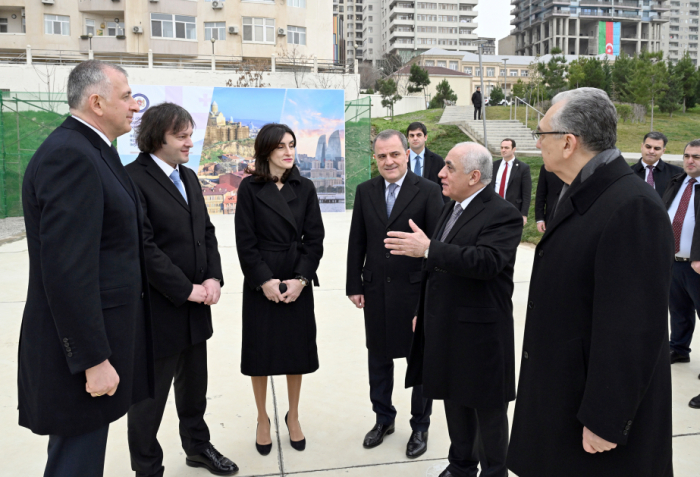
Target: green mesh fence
[(358, 146), (26, 119)]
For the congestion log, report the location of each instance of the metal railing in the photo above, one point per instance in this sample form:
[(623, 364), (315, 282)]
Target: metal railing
[(528, 107)]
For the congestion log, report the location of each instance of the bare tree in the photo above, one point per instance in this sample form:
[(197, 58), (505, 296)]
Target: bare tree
[(368, 76), (52, 88), (292, 60), (252, 74)]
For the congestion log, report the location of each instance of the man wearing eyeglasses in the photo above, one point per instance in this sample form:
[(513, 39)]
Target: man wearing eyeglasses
[(594, 396), (651, 168)]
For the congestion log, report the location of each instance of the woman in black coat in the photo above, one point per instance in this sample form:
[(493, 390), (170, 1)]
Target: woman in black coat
[(279, 236)]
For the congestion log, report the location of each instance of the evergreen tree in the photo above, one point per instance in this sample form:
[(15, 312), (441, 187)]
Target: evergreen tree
[(649, 79), (496, 96), (387, 88), (685, 71), (418, 80), (443, 92), (553, 75), (671, 100), (621, 73)]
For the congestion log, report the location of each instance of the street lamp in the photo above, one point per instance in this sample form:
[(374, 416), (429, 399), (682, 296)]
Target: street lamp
[(213, 40), (213, 58), (480, 44), (90, 40)]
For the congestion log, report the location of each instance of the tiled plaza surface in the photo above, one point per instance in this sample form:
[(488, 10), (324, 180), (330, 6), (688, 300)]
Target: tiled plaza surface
[(335, 411)]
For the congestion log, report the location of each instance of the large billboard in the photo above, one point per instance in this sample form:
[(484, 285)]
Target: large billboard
[(227, 122)]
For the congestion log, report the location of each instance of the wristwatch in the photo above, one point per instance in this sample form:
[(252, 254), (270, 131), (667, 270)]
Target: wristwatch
[(303, 280)]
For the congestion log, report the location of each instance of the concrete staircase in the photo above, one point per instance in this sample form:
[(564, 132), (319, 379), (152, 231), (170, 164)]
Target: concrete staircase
[(496, 130)]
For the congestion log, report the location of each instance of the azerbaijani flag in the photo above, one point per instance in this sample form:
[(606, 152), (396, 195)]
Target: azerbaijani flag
[(609, 38)]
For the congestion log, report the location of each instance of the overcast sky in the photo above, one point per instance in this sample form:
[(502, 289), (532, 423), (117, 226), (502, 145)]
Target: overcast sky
[(494, 18)]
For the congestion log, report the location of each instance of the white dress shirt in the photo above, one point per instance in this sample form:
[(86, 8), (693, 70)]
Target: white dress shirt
[(499, 175), (396, 191), (466, 201), (422, 161), (689, 222), (167, 168), (99, 133), (646, 171)]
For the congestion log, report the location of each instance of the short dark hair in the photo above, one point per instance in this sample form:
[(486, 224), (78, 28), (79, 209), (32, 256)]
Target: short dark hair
[(512, 142), (415, 126), (267, 140), (693, 143), (159, 120), (657, 136)]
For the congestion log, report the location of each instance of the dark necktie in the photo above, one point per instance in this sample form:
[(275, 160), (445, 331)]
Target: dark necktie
[(456, 212), (502, 189), (390, 199), (418, 170), (679, 218), (650, 176)]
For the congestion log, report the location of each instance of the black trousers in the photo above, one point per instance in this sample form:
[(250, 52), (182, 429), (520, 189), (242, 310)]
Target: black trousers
[(189, 370), (477, 436), (82, 455), (683, 304), (477, 111), (381, 385)]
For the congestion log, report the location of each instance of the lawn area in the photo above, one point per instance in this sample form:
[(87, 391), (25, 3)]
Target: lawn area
[(442, 138)]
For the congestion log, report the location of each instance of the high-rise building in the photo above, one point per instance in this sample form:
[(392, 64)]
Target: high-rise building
[(349, 38), (680, 34), (575, 26), (175, 31)]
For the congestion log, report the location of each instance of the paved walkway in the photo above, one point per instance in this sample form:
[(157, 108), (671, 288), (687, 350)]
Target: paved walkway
[(335, 409)]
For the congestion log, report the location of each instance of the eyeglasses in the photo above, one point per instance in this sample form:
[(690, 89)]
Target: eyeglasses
[(536, 134)]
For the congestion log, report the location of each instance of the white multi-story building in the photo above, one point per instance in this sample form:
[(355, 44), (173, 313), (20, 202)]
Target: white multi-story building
[(680, 34), (180, 29), (572, 25)]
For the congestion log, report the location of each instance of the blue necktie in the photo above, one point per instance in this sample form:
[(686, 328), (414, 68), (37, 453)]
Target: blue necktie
[(175, 177), (418, 170), (390, 199)]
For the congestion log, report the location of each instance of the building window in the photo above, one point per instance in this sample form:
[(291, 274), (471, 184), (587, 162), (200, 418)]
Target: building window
[(215, 30), (296, 3), (258, 30), (296, 35), (442, 63), (429, 63), (454, 65), (371, 51), (490, 71), (3, 25), (89, 27), (114, 29), (369, 19), (164, 25), (57, 25), (513, 72), (523, 73), (467, 70), (477, 71)]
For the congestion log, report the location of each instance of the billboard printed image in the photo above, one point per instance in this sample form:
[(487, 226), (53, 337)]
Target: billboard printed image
[(227, 123)]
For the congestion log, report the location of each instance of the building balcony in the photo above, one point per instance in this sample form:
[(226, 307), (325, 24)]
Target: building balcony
[(627, 4), (401, 32), (14, 17), (401, 4), (660, 6), (547, 3), (515, 11), (658, 16), (558, 11), (596, 3), (112, 6), (627, 15), (103, 44), (401, 7)]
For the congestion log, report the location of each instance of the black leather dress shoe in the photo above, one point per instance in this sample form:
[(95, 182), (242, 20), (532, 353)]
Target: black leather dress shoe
[(212, 460), (376, 435), (446, 473), (417, 444), (679, 358), (695, 402)]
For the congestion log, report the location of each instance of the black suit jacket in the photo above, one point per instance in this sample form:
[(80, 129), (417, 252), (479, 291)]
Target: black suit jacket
[(433, 164), (476, 99), (390, 283), (547, 195), (463, 346), (519, 187), (181, 250), (663, 172), (595, 348), (87, 299), (674, 186)]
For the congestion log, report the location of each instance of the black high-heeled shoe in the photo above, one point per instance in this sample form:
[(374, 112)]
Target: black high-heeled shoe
[(297, 445), (262, 449)]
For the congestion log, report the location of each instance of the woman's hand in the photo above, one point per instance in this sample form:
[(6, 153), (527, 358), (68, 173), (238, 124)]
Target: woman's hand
[(294, 288), (271, 289)]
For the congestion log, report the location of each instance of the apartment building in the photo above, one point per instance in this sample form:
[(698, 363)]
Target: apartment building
[(348, 16), (177, 28), (572, 25), (680, 34)]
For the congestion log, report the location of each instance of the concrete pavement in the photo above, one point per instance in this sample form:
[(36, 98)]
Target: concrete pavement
[(335, 411)]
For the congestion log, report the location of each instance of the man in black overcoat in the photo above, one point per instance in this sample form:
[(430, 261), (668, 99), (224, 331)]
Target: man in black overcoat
[(512, 180), (85, 351), (184, 271), (651, 168), (463, 346), (546, 197), (594, 396), (477, 101), (422, 161), (387, 286)]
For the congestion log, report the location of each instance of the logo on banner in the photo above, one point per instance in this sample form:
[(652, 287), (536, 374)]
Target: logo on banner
[(609, 48), (143, 102)]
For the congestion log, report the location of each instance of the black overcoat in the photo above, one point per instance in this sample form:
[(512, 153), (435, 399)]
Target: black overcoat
[(547, 195), (595, 350), (390, 283), (672, 190), (279, 234), (433, 165), (519, 187), (463, 347), (88, 298), (181, 250), (663, 172)]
